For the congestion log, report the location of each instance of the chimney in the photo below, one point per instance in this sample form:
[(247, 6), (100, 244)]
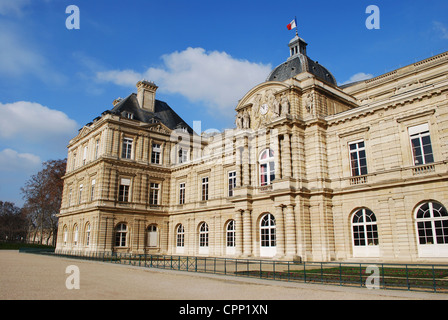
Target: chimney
[(146, 94)]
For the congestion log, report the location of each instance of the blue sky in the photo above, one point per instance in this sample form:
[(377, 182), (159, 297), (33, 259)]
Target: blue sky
[(203, 55)]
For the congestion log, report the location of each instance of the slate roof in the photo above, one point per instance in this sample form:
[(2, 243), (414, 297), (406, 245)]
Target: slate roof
[(162, 113), (298, 64)]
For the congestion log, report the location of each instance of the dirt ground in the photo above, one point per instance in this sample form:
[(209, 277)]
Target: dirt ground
[(25, 276)]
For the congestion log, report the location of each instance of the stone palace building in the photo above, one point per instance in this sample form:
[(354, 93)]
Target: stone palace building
[(311, 171)]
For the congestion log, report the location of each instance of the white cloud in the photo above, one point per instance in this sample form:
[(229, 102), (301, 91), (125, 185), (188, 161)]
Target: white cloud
[(33, 122), (11, 160), (214, 78), (441, 28), (22, 56), (13, 7), (17, 59), (121, 78), (358, 77)]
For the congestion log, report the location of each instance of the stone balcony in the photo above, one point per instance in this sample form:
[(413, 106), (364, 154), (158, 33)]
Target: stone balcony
[(399, 175)]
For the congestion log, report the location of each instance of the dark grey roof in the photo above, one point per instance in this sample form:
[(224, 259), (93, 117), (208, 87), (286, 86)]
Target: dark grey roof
[(300, 63), (162, 113), (350, 84)]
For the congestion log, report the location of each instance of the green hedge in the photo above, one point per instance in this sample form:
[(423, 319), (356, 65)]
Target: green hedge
[(19, 245)]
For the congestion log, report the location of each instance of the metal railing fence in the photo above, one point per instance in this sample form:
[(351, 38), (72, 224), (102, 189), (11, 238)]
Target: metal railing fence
[(416, 277)]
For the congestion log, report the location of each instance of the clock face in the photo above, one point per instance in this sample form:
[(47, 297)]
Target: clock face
[(264, 108)]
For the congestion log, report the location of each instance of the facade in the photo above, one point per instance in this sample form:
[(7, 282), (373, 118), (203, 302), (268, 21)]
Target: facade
[(312, 171)]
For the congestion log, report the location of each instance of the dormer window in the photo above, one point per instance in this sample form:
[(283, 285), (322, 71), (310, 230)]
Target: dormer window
[(182, 155), (128, 115)]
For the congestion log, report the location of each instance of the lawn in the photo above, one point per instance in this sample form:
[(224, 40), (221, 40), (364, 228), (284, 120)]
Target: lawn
[(20, 245)]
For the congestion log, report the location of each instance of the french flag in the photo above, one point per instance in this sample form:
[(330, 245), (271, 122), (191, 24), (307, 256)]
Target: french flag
[(292, 24)]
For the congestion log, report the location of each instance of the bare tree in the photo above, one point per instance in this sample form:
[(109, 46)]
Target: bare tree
[(43, 194), (12, 222)]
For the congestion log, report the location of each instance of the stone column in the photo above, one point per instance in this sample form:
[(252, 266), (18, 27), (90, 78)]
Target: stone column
[(290, 232), (279, 231), (277, 156), (286, 156), (239, 233), (245, 160), (137, 237), (247, 233), (238, 168), (107, 141), (295, 154)]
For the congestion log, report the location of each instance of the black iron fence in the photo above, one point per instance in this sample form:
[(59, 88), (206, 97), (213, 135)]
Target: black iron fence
[(417, 277)]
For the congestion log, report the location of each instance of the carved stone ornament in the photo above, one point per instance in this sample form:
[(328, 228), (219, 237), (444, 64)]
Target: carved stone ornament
[(309, 102), (285, 104), (262, 108), (159, 128)]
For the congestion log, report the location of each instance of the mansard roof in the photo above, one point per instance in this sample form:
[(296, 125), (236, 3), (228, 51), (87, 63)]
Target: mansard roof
[(163, 113)]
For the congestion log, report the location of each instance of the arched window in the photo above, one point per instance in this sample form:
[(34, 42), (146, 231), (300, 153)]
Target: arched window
[(153, 238), (87, 234), (180, 239), (65, 235), (230, 234), (365, 234), (203, 235), (432, 229), (268, 241), (267, 167), (121, 232), (180, 236), (75, 235)]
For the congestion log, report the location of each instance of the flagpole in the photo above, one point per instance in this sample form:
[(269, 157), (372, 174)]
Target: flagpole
[(297, 32)]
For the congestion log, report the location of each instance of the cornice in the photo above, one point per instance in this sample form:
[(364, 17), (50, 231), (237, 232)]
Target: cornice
[(395, 101)]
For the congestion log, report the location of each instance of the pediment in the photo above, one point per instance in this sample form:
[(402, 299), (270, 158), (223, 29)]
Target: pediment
[(158, 127), (83, 132), (263, 104)]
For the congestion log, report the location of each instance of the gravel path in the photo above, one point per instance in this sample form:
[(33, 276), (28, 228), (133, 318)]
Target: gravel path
[(29, 276)]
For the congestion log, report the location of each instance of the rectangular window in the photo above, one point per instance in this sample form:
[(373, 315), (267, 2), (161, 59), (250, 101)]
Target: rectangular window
[(127, 148), (84, 157), (153, 236), (123, 192), (232, 182), (97, 148), (155, 154), (69, 197), (421, 144), (204, 189), (182, 156), (154, 193), (129, 115), (74, 161), (358, 161), (92, 190), (182, 193), (80, 194)]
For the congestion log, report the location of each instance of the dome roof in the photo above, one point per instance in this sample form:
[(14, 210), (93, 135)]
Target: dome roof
[(299, 62)]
